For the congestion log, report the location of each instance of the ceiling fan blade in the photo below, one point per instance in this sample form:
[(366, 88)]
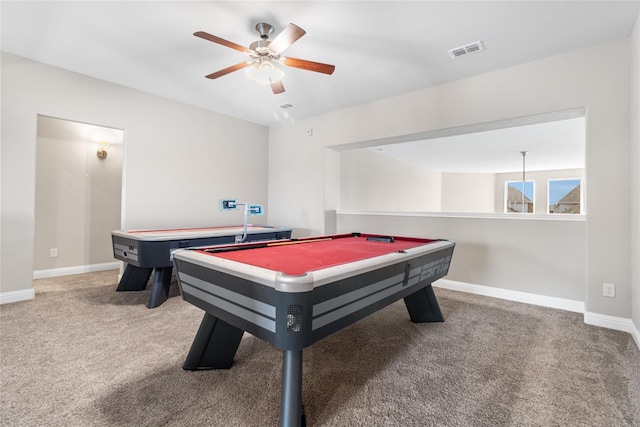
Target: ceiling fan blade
[(286, 38), (223, 42), (277, 87), (318, 67), (228, 70)]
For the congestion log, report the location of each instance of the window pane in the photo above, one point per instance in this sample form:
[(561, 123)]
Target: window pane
[(565, 196), (518, 200)]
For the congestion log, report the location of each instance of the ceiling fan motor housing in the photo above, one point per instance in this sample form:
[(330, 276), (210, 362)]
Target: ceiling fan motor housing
[(264, 30), (261, 47)]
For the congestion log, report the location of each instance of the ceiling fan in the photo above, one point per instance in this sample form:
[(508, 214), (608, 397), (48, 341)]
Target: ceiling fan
[(264, 54)]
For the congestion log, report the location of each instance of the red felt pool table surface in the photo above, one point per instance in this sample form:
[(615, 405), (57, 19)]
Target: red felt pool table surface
[(296, 257)]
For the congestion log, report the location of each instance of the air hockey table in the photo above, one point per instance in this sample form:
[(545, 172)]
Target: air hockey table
[(151, 251), (295, 292)]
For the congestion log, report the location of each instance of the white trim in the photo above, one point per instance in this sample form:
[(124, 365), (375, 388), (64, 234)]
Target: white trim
[(504, 216), (635, 333), (582, 211), (610, 322), (507, 294), (79, 269), (16, 296)]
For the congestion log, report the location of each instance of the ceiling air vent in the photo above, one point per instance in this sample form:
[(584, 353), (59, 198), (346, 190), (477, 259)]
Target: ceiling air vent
[(285, 105), (466, 49)]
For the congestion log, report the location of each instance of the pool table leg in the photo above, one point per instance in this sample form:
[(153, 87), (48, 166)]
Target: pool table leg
[(291, 411), (423, 306), (214, 346), (160, 286), (134, 278)]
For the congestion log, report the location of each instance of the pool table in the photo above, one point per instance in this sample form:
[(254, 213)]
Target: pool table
[(294, 292), (147, 251)]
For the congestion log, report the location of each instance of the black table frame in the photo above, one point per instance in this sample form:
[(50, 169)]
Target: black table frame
[(224, 323), (144, 257)]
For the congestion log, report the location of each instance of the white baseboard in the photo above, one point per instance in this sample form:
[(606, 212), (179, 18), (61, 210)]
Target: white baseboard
[(16, 296), (79, 269), (635, 333), (611, 322), (28, 294), (525, 297), (594, 319)]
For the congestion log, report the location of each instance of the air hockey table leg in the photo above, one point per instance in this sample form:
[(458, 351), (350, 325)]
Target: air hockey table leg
[(291, 410), (160, 286), (134, 278)]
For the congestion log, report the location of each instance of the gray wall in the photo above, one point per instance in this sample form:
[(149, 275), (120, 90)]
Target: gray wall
[(370, 181), (468, 192), (545, 257), (176, 157), (596, 78)]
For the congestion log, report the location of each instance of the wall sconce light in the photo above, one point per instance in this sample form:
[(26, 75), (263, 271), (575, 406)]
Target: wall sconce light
[(103, 147)]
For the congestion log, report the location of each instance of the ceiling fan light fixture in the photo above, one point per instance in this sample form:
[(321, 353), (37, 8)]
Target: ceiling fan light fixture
[(265, 72), (264, 55)]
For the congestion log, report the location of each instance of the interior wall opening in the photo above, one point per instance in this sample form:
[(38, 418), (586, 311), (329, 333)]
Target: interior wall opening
[(78, 196), (474, 169)]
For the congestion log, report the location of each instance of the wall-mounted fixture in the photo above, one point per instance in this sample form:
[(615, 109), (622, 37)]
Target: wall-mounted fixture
[(103, 148)]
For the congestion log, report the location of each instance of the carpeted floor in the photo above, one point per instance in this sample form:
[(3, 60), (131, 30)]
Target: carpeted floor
[(81, 354)]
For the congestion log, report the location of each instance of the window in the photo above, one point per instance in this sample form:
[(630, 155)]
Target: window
[(517, 200), (564, 196)]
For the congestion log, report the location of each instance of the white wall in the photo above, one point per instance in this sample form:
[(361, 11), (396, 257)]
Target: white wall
[(178, 159), (372, 181), (468, 192), (635, 175), (596, 78)]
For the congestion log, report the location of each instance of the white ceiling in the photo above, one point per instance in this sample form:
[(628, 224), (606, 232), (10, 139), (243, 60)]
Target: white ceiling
[(380, 49)]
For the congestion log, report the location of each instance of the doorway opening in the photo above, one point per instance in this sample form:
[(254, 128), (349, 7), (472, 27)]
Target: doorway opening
[(78, 196)]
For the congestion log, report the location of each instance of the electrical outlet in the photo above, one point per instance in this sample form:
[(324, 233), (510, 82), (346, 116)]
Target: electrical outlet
[(53, 252), (609, 290)]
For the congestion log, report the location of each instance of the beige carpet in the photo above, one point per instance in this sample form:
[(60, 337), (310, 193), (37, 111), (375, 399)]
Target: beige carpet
[(81, 354)]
